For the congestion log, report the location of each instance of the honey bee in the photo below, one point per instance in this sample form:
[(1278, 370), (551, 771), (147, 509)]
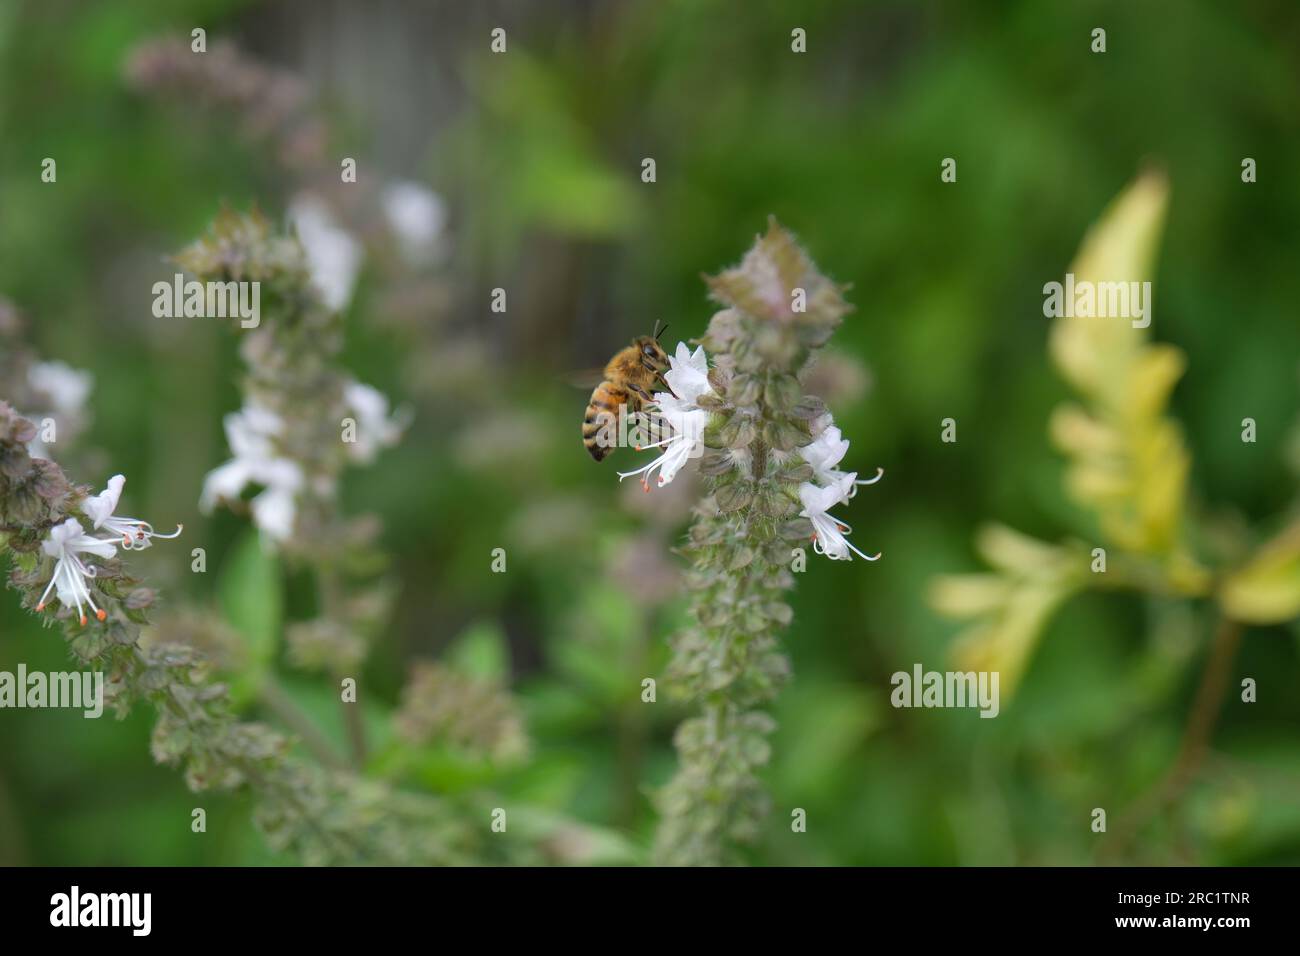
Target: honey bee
[(630, 377)]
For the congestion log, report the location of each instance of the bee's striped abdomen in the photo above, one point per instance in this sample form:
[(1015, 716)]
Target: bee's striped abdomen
[(600, 424)]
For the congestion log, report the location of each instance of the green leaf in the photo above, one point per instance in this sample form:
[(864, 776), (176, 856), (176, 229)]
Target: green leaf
[(1267, 589), (820, 725), (744, 390), (734, 495), (784, 435), (251, 600), (738, 432), (784, 393), (481, 652)]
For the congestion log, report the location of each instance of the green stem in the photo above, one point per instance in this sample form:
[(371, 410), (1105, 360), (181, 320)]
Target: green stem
[(1206, 706), (274, 697), (329, 588)]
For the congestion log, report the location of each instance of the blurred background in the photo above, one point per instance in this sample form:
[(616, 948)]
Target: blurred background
[(534, 161)]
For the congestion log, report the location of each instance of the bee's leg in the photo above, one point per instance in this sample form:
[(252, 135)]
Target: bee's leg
[(659, 377), (641, 393)]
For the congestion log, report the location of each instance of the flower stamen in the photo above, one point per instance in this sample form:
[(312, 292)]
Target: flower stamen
[(66, 543), (136, 534)]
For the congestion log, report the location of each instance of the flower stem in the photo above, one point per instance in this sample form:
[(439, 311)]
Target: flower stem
[(1206, 707), (276, 700)]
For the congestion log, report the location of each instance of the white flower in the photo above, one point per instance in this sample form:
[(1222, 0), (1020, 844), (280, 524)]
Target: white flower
[(685, 442), (66, 387), (66, 543), (688, 374), (375, 429), (135, 534), (333, 256), (250, 433), (274, 511), (688, 377), (829, 532), (825, 452), (417, 216)]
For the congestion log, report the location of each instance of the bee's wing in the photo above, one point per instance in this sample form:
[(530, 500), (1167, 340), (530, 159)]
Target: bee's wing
[(586, 378)]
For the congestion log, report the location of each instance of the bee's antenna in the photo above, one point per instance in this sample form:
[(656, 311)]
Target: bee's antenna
[(659, 331)]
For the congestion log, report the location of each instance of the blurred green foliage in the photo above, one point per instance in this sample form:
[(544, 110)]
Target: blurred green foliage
[(541, 165)]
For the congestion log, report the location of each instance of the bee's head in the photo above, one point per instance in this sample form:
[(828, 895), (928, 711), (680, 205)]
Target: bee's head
[(651, 353)]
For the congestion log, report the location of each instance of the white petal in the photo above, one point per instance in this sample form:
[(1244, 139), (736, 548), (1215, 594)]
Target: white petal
[(688, 444), (843, 486), (274, 511), (417, 216), (368, 402), (817, 500), (261, 420), (281, 473), (70, 538), (688, 374), (100, 507), (683, 357), (375, 428), (67, 387), (333, 256), (85, 544), (224, 483), (833, 543), (825, 452), (64, 584), (60, 535)]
